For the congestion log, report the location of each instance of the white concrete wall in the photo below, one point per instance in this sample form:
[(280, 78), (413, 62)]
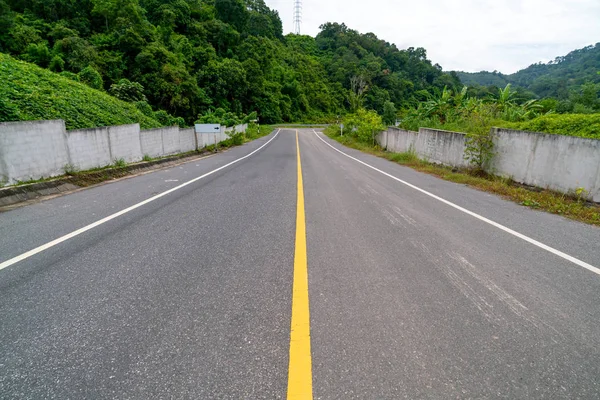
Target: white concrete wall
[(562, 163), (88, 148), (437, 146), (125, 142), (398, 140), (442, 147), (187, 140), (170, 140), (151, 141), (32, 150), (36, 149)]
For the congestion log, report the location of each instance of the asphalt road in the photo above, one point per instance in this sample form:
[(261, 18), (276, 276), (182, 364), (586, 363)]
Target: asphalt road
[(189, 296)]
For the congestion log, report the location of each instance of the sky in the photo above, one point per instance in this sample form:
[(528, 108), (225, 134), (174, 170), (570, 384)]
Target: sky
[(465, 35)]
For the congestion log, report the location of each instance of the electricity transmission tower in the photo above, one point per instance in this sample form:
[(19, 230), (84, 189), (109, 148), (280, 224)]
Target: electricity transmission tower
[(297, 16)]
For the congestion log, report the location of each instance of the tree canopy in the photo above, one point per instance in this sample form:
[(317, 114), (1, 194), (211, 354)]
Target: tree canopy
[(188, 57)]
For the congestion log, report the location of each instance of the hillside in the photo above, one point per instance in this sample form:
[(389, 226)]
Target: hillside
[(29, 92), (189, 57), (554, 79)]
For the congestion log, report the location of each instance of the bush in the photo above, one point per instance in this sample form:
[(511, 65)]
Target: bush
[(91, 77), (128, 91), (363, 125), (145, 108), (57, 64), (583, 125)]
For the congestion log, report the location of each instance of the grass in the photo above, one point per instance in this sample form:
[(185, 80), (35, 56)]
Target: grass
[(120, 163), (572, 206)]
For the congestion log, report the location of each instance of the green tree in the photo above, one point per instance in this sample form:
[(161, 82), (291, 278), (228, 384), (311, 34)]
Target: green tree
[(91, 77), (389, 113), (128, 91)]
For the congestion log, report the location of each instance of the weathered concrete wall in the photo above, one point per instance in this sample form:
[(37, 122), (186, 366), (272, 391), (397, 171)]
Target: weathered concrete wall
[(437, 146), (170, 140), (152, 143), (125, 143), (562, 163), (88, 148), (441, 147), (398, 140), (36, 149), (187, 140), (32, 150)]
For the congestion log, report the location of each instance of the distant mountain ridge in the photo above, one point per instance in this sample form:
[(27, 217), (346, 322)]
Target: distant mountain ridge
[(552, 79)]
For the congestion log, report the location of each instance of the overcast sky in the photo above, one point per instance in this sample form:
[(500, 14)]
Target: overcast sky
[(467, 35)]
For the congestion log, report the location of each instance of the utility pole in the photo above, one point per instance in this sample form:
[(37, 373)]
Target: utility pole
[(297, 16)]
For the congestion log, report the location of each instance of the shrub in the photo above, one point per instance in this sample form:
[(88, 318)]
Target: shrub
[(57, 64), (583, 125), (363, 125), (91, 77), (128, 91)]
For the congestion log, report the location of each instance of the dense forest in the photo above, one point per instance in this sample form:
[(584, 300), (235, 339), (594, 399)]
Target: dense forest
[(190, 57), (572, 81)]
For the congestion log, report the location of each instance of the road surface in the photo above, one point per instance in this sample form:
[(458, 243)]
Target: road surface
[(230, 277)]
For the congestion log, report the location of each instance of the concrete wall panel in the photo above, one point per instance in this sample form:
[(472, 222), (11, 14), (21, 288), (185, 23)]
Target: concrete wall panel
[(563, 163), (152, 143), (32, 150), (88, 148), (187, 140), (125, 142), (170, 140)]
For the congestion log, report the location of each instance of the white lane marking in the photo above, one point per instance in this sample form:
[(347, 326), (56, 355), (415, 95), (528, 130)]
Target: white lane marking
[(78, 232), (479, 217)]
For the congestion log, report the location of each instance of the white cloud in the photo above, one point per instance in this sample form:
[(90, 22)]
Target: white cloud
[(469, 35)]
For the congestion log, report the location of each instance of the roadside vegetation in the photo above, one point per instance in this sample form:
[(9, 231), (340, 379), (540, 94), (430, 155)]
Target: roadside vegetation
[(457, 111), (28, 92)]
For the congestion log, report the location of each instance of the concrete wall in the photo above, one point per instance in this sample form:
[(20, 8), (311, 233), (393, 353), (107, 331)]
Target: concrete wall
[(151, 142), (170, 140), (562, 163), (89, 148), (160, 141), (187, 140), (124, 141), (32, 150), (437, 146), (41, 149), (398, 140)]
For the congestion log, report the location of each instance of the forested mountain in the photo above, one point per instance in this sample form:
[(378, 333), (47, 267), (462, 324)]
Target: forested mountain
[(553, 79), (190, 56)]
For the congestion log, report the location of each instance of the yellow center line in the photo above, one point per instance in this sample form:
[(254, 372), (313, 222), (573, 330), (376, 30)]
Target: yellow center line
[(300, 368)]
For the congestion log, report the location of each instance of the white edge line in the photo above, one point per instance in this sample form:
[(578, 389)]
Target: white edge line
[(78, 232), (479, 217)]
